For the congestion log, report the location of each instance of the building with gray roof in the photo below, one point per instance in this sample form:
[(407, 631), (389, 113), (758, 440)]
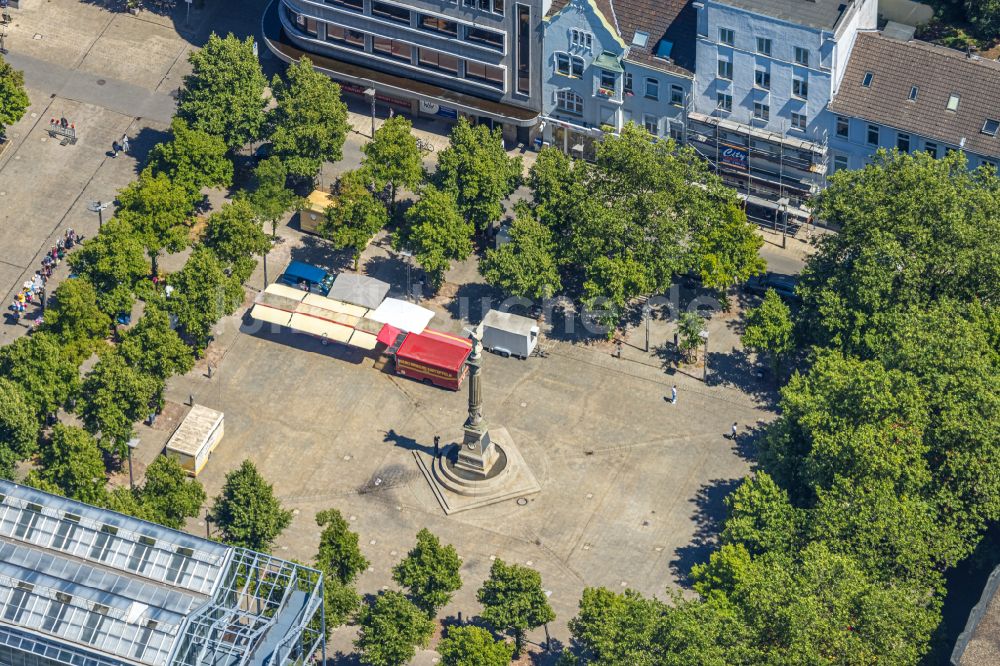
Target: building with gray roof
[(84, 586)]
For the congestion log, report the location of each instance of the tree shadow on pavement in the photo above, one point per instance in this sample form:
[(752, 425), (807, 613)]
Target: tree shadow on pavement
[(141, 143), (710, 511), (319, 252), (473, 300), (736, 369)]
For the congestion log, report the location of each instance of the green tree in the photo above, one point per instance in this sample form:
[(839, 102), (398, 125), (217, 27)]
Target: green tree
[(157, 210), (246, 512), (153, 347), (985, 15), (473, 646), (355, 217), (269, 197), (18, 427), (690, 326), (124, 500), (41, 366), (513, 601), (436, 233), (761, 517), (74, 315), (392, 158), (526, 266), (309, 122), (224, 94), (914, 230), (391, 628), (113, 397), (430, 572), (114, 261), (202, 295), (73, 462), (476, 169), (192, 158), (727, 248), (339, 556), (13, 97), (168, 494), (236, 237), (769, 329), (617, 628)]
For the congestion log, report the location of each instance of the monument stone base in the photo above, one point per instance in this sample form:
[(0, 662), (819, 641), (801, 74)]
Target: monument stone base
[(457, 488)]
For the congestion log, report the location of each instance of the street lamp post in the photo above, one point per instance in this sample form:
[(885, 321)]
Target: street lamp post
[(783, 203), (704, 336), (132, 444), (647, 311), (98, 207), (370, 94), (409, 257)]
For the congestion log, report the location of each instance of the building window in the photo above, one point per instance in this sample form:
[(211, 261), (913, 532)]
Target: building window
[(763, 46), (725, 102), (873, 135), (609, 81), (843, 127), (903, 143), (762, 79), (726, 69), (340, 35), (799, 121), (435, 24), (356, 5), (651, 124), (498, 7), (931, 149), (480, 71), (761, 111), (652, 89), (727, 36), (392, 48), (305, 24), (489, 38), (800, 88), (990, 127), (628, 82), (391, 12), (581, 39), (839, 163), (913, 93), (569, 101), (953, 101), (523, 52), (867, 81), (439, 61), (562, 64), (676, 95), (801, 56)]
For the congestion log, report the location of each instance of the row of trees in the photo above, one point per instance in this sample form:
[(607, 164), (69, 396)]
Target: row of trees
[(878, 476)]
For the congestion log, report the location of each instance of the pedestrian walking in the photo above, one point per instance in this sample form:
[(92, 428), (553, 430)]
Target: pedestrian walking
[(437, 445), (114, 149), (734, 429), (673, 394), (618, 349), (125, 147)]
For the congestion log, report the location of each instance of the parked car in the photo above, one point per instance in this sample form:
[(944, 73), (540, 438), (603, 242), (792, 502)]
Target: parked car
[(783, 285), (307, 278)]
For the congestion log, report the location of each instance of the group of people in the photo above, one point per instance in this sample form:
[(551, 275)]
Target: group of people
[(32, 292)]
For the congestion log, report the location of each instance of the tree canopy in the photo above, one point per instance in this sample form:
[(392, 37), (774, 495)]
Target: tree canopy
[(246, 512), (235, 236), (114, 262), (430, 572), (309, 123), (224, 94), (473, 646), (192, 157), (114, 396), (270, 198), (340, 560), (73, 462), (157, 211), (527, 265), (477, 171), (202, 295), (513, 600), (390, 629), (74, 316), (153, 347), (769, 329), (354, 217), (41, 366), (392, 158), (436, 233), (18, 427), (168, 494), (13, 97)]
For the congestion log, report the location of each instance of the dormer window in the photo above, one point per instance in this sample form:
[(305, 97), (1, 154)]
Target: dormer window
[(867, 81), (991, 126), (913, 93), (953, 102)]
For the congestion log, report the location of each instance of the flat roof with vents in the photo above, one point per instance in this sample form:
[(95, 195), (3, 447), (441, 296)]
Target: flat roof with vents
[(81, 585)]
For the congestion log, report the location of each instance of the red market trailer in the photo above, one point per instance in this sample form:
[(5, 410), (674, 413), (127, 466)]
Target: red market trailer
[(434, 357)]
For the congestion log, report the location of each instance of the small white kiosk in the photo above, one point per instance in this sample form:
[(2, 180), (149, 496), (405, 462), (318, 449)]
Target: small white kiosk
[(195, 438)]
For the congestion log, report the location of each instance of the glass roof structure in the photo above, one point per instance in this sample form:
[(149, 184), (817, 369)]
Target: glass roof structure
[(85, 586)]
